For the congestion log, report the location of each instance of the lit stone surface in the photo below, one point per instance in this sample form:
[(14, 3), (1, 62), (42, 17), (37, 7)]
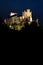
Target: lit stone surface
[(12, 14), (15, 19)]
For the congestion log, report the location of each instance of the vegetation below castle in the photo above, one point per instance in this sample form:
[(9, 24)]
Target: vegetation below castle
[(20, 27)]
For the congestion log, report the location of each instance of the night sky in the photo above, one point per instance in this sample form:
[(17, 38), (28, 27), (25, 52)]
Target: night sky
[(18, 6)]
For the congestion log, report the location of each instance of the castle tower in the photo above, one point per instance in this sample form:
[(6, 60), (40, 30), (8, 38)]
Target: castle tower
[(27, 15)]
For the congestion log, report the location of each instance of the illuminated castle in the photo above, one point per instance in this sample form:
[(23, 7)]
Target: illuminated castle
[(18, 22), (27, 14), (15, 19)]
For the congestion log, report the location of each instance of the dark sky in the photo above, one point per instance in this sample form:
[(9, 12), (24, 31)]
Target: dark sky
[(36, 7)]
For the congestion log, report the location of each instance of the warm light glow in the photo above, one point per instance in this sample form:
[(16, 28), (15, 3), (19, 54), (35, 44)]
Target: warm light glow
[(27, 13), (11, 27), (12, 14)]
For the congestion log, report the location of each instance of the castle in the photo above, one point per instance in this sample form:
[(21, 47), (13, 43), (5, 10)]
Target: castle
[(26, 14), (18, 22)]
